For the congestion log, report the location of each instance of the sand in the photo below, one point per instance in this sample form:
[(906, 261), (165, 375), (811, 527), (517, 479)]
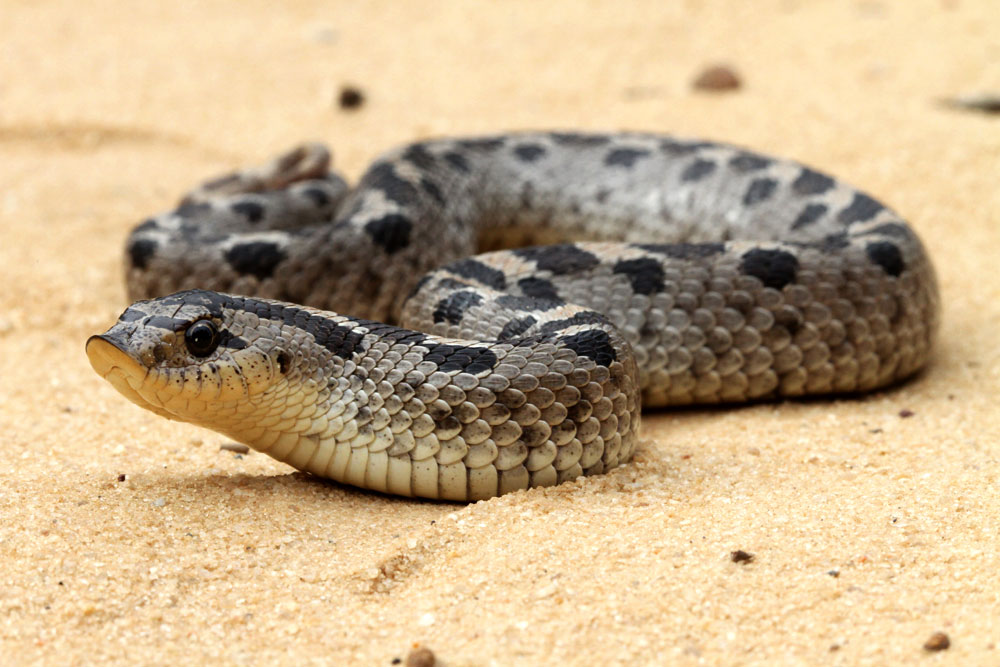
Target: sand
[(125, 538)]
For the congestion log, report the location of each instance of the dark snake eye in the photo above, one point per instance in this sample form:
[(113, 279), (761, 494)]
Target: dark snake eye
[(201, 338)]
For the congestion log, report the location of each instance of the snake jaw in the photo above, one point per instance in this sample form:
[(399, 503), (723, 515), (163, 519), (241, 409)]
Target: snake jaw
[(109, 357)]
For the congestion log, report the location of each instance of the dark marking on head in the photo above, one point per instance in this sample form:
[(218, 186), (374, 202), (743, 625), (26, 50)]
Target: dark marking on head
[(747, 162), (862, 208), (602, 195), (809, 215), (538, 288), (774, 268), (886, 255), (625, 157), (140, 250), (146, 225), (250, 210), (457, 161), (453, 307), (559, 259), (382, 176), (174, 324), (318, 195), (697, 170), (811, 182), (759, 190), (255, 258), (131, 315), (529, 152), (516, 327), (645, 274), (419, 156), (594, 344), (473, 269), (683, 250), (577, 140), (391, 232)]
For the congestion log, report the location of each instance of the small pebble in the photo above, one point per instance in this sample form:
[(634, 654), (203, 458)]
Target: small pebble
[(121, 477), (937, 642), (421, 657), (906, 413), (833, 573), (160, 502), (350, 98), (740, 556), (984, 103), (234, 447), (717, 77)]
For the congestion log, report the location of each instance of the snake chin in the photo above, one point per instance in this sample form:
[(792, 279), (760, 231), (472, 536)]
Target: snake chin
[(123, 372)]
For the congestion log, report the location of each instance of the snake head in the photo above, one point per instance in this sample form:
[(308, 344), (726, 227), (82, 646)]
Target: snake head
[(189, 356)]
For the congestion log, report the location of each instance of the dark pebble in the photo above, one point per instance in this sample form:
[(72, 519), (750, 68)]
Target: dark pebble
[(740, 556), (937, 642), (717, 77), (350, 98)]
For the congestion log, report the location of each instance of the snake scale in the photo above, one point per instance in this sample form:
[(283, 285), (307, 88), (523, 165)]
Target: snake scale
[(617, 269)]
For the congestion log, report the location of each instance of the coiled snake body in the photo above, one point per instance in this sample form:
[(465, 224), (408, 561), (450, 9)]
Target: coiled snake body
[(709, 274)]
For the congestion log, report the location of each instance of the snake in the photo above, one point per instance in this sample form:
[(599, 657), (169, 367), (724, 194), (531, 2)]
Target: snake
[(483, 315)]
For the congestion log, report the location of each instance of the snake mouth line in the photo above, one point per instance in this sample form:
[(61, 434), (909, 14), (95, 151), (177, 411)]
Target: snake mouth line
[(123, 372)]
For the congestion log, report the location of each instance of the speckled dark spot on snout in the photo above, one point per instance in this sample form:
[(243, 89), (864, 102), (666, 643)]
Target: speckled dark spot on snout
[(251, 210), (625, 157), (760, 190), (529, 152)]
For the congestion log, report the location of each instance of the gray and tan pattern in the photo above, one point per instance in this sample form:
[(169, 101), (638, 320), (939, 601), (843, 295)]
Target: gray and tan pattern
[(701, 273)]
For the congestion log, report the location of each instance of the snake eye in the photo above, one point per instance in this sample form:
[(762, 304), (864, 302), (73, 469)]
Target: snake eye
[(201, 338)]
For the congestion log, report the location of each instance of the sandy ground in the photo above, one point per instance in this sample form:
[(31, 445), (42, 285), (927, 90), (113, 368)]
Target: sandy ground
[(126, 538)]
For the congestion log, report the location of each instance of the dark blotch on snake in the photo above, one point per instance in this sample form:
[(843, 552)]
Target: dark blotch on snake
[(475, 270), (140, 250), (559, 259), (759, 190), (697, 170), (457, 161), (257, 258), (453, 306), (746, 162), (250, 210), (482, 145), (625, 157), (862, 208), (683, 250), (675, 147), (515, 302), (419, 156), (318, 195), (432, 190), (457, 358), (593, 344), (391, 232), (579, 140), (809, 215), (886, 255), (529, 152), (890, 229), (811, 182), (146, 225), (383, 177), (538, 288), (645, 274), (774, 268), (516, 327), (192, 210)]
